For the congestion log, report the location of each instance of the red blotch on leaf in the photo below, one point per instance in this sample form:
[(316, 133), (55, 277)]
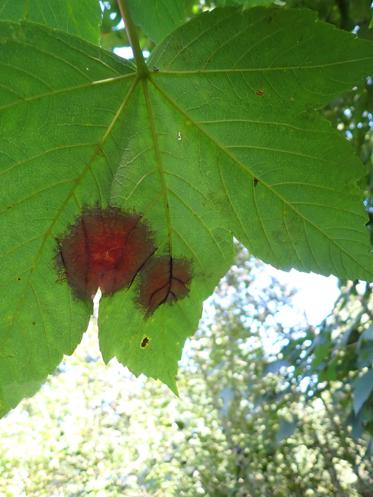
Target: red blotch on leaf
[(164, 280), (105, 249)]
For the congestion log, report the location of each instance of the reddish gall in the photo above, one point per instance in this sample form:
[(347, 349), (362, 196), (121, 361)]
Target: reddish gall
[(105, 249), (164, 279)]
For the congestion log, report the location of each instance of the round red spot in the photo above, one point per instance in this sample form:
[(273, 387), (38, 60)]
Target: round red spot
[(105, 249)]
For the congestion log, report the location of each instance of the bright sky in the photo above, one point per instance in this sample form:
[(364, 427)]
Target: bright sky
[(126, 52), (316, 295)]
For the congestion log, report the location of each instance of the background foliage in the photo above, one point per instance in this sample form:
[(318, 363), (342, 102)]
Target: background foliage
[(291, 418), (236, 429)]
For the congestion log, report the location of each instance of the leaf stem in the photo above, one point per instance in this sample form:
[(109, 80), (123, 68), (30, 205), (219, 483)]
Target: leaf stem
[(142, 68), (344, 13)]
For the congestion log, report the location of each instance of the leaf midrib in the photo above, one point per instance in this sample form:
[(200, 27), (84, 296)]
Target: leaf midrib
[(159, 162), (68, 89), (182, 72)]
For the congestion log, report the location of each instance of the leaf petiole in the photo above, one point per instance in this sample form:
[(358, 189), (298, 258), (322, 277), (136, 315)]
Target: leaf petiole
[(142, 68)]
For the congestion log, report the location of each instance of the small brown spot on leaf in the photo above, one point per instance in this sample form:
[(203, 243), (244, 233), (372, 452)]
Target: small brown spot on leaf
[(144, 342), (164, 280), (259, 93), (256, 181), (19, 279)]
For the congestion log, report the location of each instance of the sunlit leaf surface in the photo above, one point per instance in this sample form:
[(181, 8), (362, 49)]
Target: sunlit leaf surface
[(81, 18), (221, 139)]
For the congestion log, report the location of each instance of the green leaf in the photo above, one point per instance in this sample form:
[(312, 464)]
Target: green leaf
[(57, 127), (188, 121), (161, 175), (370, 445), (158, 18), (114, 39), (275, 366), (362, 389), (123, 328), (365, 348), (286, 429), (281, 177), (322, 346), (81, 18), (244, 3), (222, 139)]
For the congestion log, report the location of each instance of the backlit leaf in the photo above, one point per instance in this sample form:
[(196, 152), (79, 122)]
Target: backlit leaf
[(279, 174), (58, 124), (362, 389), (221, 139), (81, 18), (158, 18)]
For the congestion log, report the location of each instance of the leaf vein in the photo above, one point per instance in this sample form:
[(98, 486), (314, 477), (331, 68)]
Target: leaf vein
[(198, 218), (247, 170)]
